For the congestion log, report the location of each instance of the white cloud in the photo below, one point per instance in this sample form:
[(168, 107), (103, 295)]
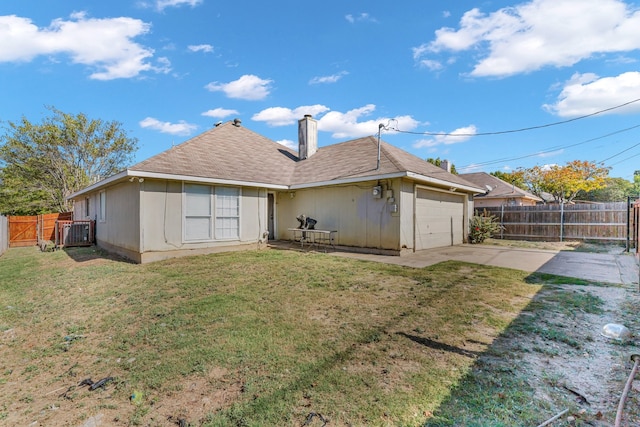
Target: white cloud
[(538, 33), (281, 116), (181, 128), (588, 93), (106, 45), (288, 143), (207, 48), (347, 125), (220, 113), (161, 5), (340, 125), (431, 64), (362, 17), (248, 87), (328, 79), (448, 138)]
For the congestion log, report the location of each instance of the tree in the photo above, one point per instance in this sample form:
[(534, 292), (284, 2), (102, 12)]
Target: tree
[(42, 164), (515, 178), (614, 190), (438, 162), (564, 182)]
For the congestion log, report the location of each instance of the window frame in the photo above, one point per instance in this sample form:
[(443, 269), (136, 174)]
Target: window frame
[(102, 201), (186, 216), (219, 200)]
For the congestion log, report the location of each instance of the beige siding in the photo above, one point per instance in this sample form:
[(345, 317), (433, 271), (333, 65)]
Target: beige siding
[(162, 213), (360, 219), (407, 213), (121, 226), (119, 231)]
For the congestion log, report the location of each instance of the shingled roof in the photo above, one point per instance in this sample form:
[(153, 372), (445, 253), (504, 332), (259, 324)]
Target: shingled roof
[(497, 188), (232, 153), (226, 152)]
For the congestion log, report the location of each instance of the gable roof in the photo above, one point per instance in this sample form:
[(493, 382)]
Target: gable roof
[(227, 152), (499, 189), (236, 155), (357, 159)]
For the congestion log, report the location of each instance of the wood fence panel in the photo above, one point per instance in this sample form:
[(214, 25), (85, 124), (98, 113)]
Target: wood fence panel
[(47, 225), (23, 231), (31, 230), (610, 222)]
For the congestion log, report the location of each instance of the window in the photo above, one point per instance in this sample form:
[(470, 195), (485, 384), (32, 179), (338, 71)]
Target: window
[(103, 206), (87, 213), (227, 213), (197, 220)]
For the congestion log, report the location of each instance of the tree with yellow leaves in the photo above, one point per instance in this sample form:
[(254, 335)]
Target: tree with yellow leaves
[(564, 182)]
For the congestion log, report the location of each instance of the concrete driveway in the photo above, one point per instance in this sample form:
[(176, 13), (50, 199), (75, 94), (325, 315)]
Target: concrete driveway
[(609, 268)]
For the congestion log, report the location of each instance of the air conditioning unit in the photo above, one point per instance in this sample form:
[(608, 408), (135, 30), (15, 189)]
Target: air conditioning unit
[(76, 234)]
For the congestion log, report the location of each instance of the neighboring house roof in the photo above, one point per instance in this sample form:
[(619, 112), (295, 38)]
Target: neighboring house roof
[(495, 188), (234, 154)]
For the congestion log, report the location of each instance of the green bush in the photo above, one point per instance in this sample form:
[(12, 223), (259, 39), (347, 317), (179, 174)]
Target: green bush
[(483, 226)]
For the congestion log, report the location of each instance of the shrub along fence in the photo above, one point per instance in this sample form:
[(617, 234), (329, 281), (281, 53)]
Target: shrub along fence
[(606, 222)]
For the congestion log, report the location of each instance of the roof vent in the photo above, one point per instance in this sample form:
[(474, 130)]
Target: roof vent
[(217, 124), (237, 122)]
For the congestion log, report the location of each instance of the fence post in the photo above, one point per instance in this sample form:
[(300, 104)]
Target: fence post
[(501, 222), (561, 220), (628, 221)]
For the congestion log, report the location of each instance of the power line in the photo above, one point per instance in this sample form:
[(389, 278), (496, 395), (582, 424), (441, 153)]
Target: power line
[(514, 130), (624, 160), (617, 154), (549, 150)]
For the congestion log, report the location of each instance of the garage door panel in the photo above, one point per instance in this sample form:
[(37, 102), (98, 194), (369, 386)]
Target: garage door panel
[(439, 219)]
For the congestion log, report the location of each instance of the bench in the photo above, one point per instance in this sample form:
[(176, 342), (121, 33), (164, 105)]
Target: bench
[(314, 238)]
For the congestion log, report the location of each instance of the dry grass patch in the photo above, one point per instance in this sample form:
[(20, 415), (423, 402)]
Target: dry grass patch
[(243, 338)]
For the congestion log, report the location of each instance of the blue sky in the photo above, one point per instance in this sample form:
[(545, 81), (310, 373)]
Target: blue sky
[(445, 78)]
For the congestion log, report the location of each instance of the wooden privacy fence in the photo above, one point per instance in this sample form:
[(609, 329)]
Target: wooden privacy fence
[(607, 222), (33, 230)]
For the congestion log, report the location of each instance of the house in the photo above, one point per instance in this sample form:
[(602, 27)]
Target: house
[(497, 192), (230, 187)]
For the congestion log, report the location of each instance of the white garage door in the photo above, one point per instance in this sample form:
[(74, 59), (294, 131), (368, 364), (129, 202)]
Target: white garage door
[(439, 219)]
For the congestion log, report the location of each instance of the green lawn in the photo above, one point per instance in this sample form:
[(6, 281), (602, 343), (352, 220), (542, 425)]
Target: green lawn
[(256, 338)]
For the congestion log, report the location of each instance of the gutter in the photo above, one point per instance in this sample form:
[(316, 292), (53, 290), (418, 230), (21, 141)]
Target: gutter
[(121, 176)]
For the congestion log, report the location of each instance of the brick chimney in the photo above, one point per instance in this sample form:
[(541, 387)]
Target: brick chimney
[(446, 165), (307, 137)]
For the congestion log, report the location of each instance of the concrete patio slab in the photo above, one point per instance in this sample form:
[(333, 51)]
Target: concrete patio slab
[(610, 268)]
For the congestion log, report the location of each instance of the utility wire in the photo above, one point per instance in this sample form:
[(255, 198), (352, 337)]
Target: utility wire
[(623, 151), (624, 160), (550, 149), (514, 130)]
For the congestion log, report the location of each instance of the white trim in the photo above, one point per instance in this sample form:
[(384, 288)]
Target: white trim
[(102, 206), (188, 178), (200, 180), (184, 215), (346, 181), (444, 183), (215, 214)]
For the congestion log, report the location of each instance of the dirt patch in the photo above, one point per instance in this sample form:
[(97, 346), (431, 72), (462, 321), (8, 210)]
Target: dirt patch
[(566, 359)]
